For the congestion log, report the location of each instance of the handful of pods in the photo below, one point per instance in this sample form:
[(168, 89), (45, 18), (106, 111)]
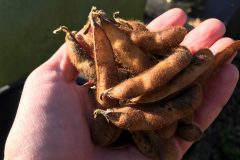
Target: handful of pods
[(146, 84)]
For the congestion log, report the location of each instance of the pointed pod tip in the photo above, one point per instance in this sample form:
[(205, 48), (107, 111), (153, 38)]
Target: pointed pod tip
[(97, 112), (94, 8), (102, 112), (115, 14), (61, 29), (106, 93), (96, 17)]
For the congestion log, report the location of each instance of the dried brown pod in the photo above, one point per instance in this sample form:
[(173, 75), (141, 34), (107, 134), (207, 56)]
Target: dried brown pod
[(143, 144), (79, 53), (187, 120), (157, 115), (87, 32), (189, 132), (201, 62), (159, 42), (167, 132), (153, 78), (226, 54), (137, 25), (88, 37), (123, 25), (221, 58), (151, 145), (129, 26), (104, 59), (126, 53), (102, 132), (124, 140), (165, 149)]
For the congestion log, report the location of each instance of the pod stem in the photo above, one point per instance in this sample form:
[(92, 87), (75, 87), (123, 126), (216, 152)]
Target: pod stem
[(106, 93), (102, 112), (62, 29), (115, 14)]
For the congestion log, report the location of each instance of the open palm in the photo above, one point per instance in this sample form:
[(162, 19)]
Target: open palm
[(54, 113)]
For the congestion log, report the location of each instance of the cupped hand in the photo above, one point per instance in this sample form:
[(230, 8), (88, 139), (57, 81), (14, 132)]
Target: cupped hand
[(54, 113)]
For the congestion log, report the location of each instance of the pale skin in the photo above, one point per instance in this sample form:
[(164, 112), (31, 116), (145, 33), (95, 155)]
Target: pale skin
[(54, 113)]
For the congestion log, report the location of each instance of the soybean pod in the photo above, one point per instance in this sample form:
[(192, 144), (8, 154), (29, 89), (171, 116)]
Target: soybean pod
[(221, 58), (149, 143), (153, 78), (103, 56), (189, 132), (104, 59), (79, 53), (159, 42), (157, 115), (201, 62), (126, 52)]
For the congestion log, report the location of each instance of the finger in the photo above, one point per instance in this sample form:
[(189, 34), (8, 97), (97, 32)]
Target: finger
[(221, 44), (173, 17), (68, 71), (56, 58), (204, 35), (60, 62)]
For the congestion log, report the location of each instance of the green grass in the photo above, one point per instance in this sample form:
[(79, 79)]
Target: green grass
[(26, 29)]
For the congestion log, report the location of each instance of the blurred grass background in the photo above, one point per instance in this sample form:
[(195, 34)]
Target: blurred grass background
[(26, 29)]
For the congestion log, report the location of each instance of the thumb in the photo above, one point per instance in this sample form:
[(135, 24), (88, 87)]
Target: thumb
[(61, 63)]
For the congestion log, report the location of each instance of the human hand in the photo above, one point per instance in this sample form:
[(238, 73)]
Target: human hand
[(54, 113)]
